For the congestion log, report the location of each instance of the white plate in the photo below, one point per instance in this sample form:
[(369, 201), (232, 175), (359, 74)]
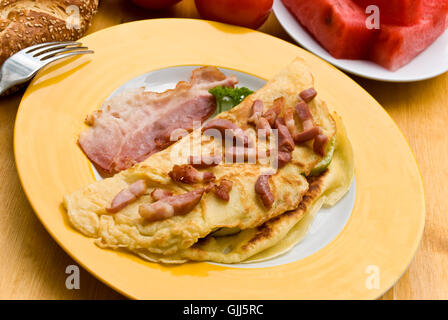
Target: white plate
[(327, 223), (430, 63)]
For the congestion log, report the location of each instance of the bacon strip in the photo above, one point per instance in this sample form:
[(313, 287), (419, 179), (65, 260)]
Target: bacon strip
[(222, 190), (308, 94), (309, 129), (127, 196), (188, 174), (171, 206), (203, 162), (263, 190), (131, 126)]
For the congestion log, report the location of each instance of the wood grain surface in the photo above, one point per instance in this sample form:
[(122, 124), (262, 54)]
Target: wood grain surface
[(33, 266)]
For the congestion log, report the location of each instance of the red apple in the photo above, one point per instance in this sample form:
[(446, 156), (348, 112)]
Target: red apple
[(155, 4), (246, 13)]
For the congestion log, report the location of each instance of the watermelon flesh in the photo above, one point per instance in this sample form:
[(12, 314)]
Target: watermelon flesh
[(435, 7), (396, 46), (338, 25), (396, 12)]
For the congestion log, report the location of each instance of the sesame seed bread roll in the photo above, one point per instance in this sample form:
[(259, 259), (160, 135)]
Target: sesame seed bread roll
[(24, 23)]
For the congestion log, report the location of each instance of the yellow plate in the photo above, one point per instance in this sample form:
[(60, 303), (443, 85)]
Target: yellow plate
[(365, 259)]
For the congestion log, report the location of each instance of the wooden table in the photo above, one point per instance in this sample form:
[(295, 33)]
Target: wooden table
[(33, 265)]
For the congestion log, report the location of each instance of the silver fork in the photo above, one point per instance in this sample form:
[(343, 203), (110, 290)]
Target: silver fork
[(22, 66)]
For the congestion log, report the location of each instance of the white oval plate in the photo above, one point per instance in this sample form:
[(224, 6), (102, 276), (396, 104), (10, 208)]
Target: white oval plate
[(429, 64), (327, 223)]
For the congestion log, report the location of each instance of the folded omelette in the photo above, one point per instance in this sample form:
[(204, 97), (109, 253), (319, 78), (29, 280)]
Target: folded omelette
[(263, 211)]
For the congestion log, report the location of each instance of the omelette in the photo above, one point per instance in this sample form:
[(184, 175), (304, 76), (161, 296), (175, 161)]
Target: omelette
[(243, 187)]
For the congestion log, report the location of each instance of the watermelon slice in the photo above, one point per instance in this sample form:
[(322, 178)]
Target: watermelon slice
[(338, 25), (435, 7), (396, 46), (396, 12)]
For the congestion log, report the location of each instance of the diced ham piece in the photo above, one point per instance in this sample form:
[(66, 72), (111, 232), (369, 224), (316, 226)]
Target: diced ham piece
[(289, 121), (261, 124), (127, 196), (283, 158), (221, 125), (159, 194), (203, 162), (256, 112), (171, 206), (132, 125), (303, 111), (308, 95), (222, 190), (274, 111), (306, 135), (188, 174), (320, 144), (263, 127), (228, 130), (285, 143), (285, 140), (263, 190), (280, 121), (309, 129)]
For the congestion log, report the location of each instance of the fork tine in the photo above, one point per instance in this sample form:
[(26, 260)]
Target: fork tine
[(52, 48), (51, 54), (65, 55), (39, 45), (48, 44)]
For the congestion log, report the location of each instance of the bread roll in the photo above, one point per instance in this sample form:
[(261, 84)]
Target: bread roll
[(27, 22)]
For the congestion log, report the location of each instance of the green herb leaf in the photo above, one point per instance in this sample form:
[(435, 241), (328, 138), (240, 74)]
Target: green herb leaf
[(227, 97)]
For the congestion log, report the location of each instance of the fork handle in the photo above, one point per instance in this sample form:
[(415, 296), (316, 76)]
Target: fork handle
[(2, 85), (5, 83)]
